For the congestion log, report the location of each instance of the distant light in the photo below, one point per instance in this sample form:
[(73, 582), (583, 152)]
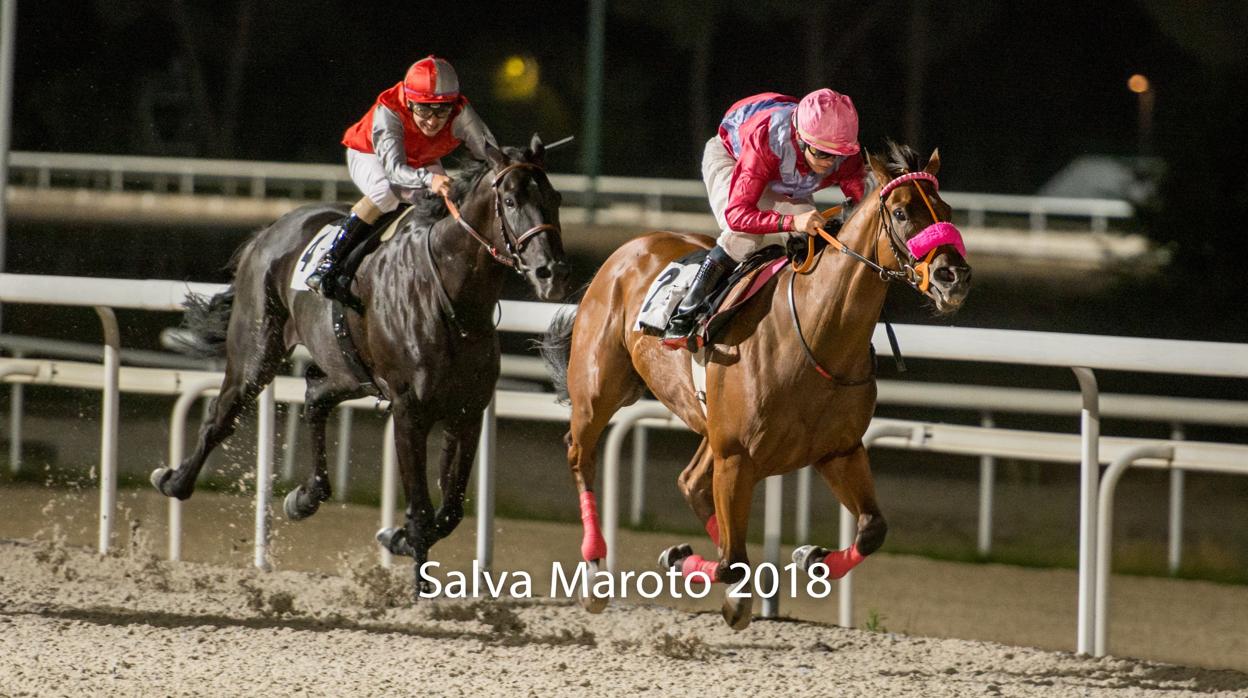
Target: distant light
[(1138, 84), (517, 78), (513, 67)]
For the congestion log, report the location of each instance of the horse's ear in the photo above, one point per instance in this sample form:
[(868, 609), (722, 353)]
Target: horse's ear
[(497, 158), (933, 163), (536, 153), (877, 168)]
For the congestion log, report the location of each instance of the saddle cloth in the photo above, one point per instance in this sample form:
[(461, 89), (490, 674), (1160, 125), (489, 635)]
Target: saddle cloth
[(671, 285), (316, 248)]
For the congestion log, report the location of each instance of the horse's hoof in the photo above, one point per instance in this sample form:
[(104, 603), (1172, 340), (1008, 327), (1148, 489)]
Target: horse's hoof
[(590, 602), (806, 556), (738, 612), (160, 480), (394, 539), (298, 507), (673, 556)]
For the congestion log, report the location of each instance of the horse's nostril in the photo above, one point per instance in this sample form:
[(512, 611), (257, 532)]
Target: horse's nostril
[(543, 272)]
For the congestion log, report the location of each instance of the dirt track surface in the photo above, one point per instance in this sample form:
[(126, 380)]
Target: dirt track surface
[(73, 623)]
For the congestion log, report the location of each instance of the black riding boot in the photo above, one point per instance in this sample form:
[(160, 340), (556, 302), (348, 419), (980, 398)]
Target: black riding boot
[(717, 262), (332, 279)]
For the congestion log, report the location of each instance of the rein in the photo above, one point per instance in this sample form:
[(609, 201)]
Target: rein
[(917, 277), (513, 244)]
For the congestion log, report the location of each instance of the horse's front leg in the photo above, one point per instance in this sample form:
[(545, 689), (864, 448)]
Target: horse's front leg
[(411, 430), (459, 447), (850, 478), (733, 487)]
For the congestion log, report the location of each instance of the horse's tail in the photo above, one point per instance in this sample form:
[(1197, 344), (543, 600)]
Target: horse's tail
[(204, 324), (556, 348)]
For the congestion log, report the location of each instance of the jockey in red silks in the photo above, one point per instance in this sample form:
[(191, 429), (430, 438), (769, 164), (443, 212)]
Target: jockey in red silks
[(394, 154), (762, 169)]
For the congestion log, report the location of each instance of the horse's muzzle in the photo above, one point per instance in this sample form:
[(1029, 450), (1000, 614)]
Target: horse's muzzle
[(550, 280), (950, 284)]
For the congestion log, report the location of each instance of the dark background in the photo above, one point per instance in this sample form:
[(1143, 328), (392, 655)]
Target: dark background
[(1010, 92)]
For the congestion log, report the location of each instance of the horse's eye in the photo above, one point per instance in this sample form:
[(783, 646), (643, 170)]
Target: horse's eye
[(511, 203), (899, 214)]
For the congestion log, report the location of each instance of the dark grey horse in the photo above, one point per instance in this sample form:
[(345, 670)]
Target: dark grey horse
[(426, 341)]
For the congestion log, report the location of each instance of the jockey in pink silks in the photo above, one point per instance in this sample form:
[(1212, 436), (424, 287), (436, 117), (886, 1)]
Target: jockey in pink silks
[(762, 169)]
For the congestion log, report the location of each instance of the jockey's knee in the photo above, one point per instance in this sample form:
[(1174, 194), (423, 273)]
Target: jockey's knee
[(871, 531), (369, 211)]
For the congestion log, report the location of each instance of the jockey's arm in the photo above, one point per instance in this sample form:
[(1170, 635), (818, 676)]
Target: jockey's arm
[(388, 145), (469, 128), (756, 167)]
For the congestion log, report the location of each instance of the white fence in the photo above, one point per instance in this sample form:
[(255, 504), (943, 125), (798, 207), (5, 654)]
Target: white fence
[(1081, 353), (649, 196)]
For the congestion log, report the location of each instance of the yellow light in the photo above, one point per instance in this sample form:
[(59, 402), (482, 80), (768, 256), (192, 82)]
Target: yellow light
[(517, 78), (1138, 84), (513, 67)]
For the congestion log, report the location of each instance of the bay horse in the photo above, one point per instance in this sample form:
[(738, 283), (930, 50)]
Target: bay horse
[(780, 393), (427, 341)]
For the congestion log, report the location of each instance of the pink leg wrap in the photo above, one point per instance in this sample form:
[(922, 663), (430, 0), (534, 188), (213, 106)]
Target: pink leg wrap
[(695, 563), (593, 547), (840, 562), (712, 530)]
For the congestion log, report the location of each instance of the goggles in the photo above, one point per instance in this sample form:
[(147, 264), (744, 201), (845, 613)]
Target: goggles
[(426, 110)]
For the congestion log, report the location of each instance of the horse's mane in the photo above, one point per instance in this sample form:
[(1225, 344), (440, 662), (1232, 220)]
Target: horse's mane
[(434, 208), (898, 159)]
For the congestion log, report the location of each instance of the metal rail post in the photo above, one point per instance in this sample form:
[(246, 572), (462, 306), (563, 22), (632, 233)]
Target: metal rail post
[(638, 493), (108, 427), (389, 478), (1175, 557), (801, 526), (1090, 430), (1105, 531), (987, 485), (16, 407), (486, 465), (342, 466), (773, 528), (264, 475)]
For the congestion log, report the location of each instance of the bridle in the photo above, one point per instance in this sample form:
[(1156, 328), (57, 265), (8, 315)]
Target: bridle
[(513, 244), (914, 273)]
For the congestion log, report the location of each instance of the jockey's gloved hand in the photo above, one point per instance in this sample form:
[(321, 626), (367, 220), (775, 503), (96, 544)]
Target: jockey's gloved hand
[(795, 245)]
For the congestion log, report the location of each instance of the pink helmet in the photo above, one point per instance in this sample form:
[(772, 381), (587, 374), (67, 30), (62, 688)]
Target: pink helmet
[(828, 121), (431, 79)]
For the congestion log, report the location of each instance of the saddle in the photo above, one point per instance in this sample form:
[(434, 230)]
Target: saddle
[(742, 283)]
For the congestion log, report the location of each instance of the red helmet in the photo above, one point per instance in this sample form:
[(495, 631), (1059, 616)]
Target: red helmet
[(431, 79)]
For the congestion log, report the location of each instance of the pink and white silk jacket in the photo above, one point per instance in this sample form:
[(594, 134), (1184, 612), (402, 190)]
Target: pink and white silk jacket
[(759, 134)]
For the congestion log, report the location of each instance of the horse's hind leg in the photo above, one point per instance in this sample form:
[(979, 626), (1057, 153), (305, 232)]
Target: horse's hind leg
[(849, 476), (247, 370), (695, 483), (322, 394), (601, 380)]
